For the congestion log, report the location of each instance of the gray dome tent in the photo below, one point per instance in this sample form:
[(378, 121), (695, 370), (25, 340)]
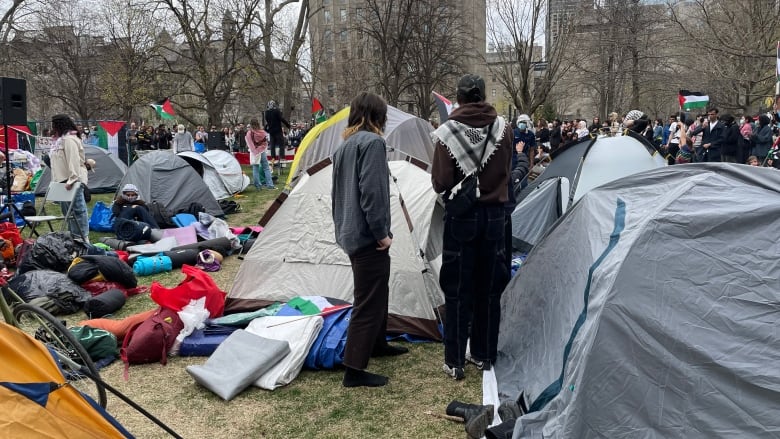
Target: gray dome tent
[(576, 169), (105, 177), (168, 179), (650, 310)]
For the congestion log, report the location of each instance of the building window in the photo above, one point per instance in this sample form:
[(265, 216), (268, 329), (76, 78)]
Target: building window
[(343, 35), (331, 90), (325, 2), (359, 13), (343, 14), (493, 92), (328, 17), (327, 36)]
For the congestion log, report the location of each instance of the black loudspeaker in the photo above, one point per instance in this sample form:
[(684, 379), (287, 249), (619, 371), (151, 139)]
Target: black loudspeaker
[(13, 101), (215, 140)]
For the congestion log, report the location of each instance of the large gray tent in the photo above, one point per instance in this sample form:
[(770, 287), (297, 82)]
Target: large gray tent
[(105, 177), (651, 311), (168, 179)]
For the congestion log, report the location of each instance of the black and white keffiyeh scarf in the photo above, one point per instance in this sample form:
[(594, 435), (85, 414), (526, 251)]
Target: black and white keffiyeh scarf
[(465, 143)]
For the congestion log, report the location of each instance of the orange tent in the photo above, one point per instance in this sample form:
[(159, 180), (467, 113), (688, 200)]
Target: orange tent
[(35, 400)]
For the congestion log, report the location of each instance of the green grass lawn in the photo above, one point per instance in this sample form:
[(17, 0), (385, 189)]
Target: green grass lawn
[(314, 405)]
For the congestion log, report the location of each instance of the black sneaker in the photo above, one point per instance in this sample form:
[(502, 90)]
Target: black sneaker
[(456, 373)]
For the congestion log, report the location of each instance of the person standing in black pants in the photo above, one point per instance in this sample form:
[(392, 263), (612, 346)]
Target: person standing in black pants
[(273, 122), (361, 215)]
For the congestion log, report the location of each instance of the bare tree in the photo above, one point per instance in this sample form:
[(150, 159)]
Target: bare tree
[(389, 28), (516, 29), (437, 53), (7, 19), (617, 57), (732, 48), (209, 61), (65, 56), (129, 77)]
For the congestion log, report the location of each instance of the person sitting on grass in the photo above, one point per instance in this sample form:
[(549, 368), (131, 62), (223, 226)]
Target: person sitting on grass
[(129, 206)]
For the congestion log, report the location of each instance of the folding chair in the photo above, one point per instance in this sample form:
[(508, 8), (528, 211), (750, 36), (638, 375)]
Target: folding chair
[(54, 194)]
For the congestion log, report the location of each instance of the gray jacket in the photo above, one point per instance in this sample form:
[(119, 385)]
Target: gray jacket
[(361, 192)]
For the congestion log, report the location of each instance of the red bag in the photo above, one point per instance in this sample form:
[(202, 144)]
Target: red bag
[(10, 232), (150, 340), (197, 284)]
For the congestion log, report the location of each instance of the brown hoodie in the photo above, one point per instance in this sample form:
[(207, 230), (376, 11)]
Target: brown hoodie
[(494, 177)]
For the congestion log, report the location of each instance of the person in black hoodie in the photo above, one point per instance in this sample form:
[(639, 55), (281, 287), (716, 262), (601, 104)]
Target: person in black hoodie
[(474, 271), (730, 142), (274, 121), (556, 136)]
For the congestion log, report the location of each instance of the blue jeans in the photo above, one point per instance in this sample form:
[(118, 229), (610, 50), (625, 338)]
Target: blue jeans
[(256, 180), (473, 275), (269, 181), (266, 177), (79, 227)]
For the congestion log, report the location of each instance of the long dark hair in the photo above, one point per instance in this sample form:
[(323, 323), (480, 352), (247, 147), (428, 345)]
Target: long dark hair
[(367, 112), (62, 124)]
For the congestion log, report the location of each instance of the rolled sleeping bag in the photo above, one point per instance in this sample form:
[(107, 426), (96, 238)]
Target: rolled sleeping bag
[(187, 256), (221, 245), (104, 304)]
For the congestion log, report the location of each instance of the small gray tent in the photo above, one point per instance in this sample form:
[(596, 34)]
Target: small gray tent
[(576, 169), (168, 179), (651, 310), (105, 177)]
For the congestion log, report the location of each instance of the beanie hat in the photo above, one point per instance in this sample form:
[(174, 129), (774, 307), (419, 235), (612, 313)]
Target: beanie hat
[(129, 187)]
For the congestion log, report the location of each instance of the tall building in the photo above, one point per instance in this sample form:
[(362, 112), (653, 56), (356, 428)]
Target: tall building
[(559, 15), (342, 47)]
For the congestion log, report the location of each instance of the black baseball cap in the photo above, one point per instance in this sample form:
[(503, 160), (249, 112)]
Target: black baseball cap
[(469, 82)]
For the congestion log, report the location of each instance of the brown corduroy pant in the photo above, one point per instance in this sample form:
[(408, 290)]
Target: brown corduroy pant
[(368, 325)]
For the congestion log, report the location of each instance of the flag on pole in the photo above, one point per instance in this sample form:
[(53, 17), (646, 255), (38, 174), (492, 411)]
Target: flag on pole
[(318, 111), (164, 109), (444, 105), (692, 100)]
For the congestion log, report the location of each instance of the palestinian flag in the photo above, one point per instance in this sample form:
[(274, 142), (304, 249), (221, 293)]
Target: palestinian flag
[(108, 131), (317, 111), (444, 105), (164, 109), (691, 100)]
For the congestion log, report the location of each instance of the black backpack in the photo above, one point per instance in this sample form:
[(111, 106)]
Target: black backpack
[(229, 206), (161, 215), (194, 208)]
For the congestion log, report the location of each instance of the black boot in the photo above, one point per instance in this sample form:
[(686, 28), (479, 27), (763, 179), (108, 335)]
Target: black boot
[(509, 410), (361, 378), (477, 417), (503, 430)]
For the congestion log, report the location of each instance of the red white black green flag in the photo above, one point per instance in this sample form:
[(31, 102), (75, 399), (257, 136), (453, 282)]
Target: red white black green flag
[(164, 109)]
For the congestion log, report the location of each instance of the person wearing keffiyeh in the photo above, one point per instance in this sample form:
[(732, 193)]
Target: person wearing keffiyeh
[(473, 272)]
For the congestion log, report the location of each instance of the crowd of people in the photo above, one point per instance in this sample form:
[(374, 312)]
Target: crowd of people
[(181, 138), (684, 138)]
